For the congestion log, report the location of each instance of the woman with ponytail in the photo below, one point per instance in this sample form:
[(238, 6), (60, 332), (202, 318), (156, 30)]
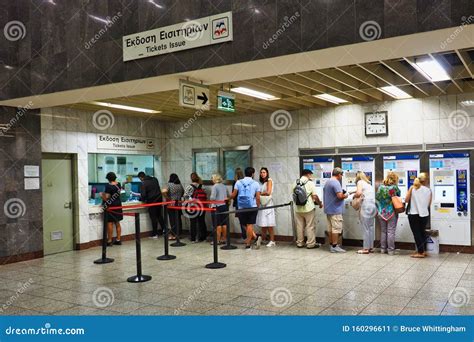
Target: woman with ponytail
[(419, 201)]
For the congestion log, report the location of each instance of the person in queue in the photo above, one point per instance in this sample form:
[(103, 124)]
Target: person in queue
[(305, 214), (247, 193), (194, 191), (111, 198), (266, 218), (419, 199), (367, 211), (220, 223), (150, 192), (239, 174), (174, 192), (388, 218), (333, 198)]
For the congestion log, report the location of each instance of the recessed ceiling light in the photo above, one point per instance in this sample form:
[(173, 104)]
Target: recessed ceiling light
[(155, 4), (467, 103), (330, 98), (431, 69), (395, 92), (119, 106), (254, 93)]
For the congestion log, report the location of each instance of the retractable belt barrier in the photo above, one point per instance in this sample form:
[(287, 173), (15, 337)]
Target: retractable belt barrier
[(174, 205)]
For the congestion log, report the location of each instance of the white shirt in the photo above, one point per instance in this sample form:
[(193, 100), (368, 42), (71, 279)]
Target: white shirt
[(420, 201)]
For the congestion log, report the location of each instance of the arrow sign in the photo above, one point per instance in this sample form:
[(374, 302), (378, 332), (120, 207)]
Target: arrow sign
[(193, 95), (203, 98)]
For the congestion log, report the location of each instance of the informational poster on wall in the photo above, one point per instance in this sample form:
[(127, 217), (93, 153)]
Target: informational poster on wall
[(190, 34), (206, 164), (123, 142)]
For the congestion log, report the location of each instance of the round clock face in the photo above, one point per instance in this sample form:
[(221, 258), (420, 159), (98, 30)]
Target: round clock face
[(376, 123)]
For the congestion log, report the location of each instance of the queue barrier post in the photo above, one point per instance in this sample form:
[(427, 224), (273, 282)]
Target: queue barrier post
[(139, 278), (104, 259), (228, 245), (166, 256), (215, 264), (292, 213), (177, 243)]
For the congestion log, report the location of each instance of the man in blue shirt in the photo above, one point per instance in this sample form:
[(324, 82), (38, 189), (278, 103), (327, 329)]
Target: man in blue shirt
[(334, 197), (247, 191)]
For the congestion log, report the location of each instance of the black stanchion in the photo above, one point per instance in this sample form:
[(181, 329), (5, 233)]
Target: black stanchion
[(228, 245), (139, 278), (166, 256), (177, 243), (292, 213), (104, 259), (216, 263)]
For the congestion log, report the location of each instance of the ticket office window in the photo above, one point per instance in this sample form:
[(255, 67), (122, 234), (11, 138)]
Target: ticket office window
[(126, 167)]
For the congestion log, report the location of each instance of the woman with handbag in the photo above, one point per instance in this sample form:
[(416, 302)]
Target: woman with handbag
[(419, 199), (266, 217), (388, 206), (364, 202)]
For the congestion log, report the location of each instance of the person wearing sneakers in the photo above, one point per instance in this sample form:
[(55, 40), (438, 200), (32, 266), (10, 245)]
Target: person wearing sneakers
[(333, 197), (419, 199), (305, 210), (247, 192)]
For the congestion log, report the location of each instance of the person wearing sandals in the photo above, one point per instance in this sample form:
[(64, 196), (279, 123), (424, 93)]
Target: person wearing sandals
[(111, 198), (266, 218), (219, 192), (419, 202), (174, 192), (367, 211), (388, 218)]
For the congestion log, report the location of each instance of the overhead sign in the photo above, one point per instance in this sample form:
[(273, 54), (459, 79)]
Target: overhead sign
[(187, 35), (123, 142), (193, 95), (225, 101)]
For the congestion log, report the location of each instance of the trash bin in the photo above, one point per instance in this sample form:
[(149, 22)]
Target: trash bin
[(432, 241)]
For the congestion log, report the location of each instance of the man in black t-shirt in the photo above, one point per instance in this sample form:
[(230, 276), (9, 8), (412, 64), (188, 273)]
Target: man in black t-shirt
[(151, 193)]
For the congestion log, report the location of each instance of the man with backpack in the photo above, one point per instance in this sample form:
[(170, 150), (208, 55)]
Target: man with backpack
[(247, 192), (150, 192), (305, 199)]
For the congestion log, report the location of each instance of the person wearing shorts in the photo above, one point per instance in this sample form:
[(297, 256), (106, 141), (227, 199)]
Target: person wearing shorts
[(333, 200), (247, 193)]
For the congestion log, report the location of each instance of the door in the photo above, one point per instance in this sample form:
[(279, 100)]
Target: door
[(58, 222)]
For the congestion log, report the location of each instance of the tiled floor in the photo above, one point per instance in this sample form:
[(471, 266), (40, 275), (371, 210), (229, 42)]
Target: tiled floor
[(270, 281)]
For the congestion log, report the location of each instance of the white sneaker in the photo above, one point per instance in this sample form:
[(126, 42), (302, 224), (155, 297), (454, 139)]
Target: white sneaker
[(337, 249), (258, 243), (271, 244), (154, 237)]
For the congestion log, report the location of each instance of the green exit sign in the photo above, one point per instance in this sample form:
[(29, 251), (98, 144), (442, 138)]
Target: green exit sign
[(226, 101)]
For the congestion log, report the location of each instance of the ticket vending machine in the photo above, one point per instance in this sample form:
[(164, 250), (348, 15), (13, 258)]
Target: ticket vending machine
[(407, 167), (450, 206), (322, 171), (350, 166)]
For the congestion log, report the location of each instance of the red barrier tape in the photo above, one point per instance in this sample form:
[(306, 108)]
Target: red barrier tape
[(123, 214), (190, 208), (141, 205), (202, 202)]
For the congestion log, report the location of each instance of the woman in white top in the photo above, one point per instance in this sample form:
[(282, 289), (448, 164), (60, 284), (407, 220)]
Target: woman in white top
[(368, 211), (419, 199), (266, 217)]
